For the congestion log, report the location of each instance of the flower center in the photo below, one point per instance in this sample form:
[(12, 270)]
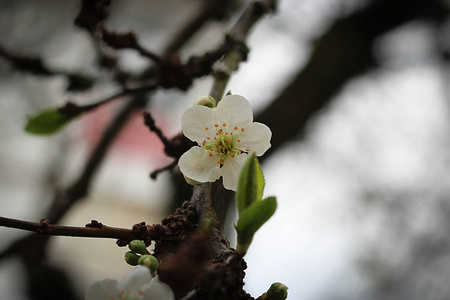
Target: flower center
[(223, 142)]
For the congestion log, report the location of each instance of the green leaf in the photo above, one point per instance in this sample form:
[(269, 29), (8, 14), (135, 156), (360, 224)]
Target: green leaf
[(251, 219), (250, 185), (47, 121)]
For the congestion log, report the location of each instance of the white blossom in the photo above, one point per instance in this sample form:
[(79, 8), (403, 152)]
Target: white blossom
[(225, 135), (136, 285)]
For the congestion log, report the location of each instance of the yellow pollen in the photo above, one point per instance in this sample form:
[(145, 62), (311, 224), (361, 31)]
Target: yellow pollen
[(235, 128), (224, 124), (217, 125), (242, 129), (206, 128)]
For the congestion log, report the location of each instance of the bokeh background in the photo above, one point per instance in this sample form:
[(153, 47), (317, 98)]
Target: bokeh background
[(356, 94)]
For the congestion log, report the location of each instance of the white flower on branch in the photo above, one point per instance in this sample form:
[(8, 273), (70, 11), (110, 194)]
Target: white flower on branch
[(136, 285), (225, 135)]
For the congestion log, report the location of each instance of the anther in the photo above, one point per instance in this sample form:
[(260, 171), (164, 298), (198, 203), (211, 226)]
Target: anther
[(224, 124), (206, 128), (217, 125), (235, 128), (210, 154), (242, 129)]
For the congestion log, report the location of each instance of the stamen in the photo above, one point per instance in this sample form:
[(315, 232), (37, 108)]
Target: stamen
[(224, 124), (208, 138), (217, 125), (210, 154), (206, 128), (203, 143), (238, 141), (235, 128), (242, 129), (232, 155)]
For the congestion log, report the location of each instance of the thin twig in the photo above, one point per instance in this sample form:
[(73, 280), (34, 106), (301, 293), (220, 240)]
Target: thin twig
[(169, 167), (45, 229)]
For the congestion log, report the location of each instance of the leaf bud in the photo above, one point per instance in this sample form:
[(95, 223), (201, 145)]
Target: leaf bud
[(277, 291)]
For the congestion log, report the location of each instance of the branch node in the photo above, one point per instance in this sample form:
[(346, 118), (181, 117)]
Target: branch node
[(44, 226), (94, 224)]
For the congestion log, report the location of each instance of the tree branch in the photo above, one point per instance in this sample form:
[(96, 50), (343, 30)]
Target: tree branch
[(343, 52), (46, 229)]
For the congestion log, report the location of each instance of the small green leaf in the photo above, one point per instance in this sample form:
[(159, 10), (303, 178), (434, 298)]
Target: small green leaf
[(251, 219), (250, 185), (47, 121)]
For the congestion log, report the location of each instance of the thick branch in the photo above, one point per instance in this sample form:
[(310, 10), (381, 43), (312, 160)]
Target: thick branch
[(342, 53)]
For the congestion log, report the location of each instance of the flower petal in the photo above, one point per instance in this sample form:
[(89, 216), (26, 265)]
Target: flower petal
[(231, 170), (135, 279), (157, 290), (102, 290), (194, 121), (256, 138), (234, 110), (197, 165)]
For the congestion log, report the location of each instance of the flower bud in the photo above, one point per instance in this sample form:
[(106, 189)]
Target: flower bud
[(149, 261), (131, 258), (138, 246), (277, 291), (206, 101)]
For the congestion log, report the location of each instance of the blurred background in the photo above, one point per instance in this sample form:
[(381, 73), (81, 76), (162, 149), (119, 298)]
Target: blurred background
[(355, 92)]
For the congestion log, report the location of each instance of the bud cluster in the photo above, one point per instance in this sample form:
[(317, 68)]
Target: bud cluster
[(140, 256)]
